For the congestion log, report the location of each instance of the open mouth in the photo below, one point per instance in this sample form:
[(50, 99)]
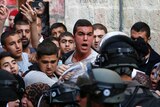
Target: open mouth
[(154, 84), (14, 71), (85, 45)]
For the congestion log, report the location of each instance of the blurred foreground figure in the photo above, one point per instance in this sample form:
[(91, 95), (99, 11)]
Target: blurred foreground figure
[(118, 53), (61, 95), (8, 90), (101, 87)]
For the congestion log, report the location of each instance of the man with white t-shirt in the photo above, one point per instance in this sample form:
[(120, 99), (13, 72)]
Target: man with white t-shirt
[(83, 36)]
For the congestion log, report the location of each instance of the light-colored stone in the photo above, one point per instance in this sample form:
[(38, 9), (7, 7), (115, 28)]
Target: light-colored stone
[(107, 12)]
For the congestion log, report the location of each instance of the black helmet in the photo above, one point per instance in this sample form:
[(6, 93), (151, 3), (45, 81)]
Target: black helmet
[(116, 50), (102, 86), (8, 86), (63, 93)]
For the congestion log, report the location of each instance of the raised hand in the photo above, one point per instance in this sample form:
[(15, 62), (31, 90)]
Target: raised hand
[(4, 11), (28, 12)]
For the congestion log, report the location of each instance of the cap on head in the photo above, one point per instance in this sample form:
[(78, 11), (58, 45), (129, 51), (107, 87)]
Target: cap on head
[(8, 86), (102, 85), (14, 12)]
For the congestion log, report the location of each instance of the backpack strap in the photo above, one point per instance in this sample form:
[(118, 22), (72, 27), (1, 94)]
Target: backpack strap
[(132, 96), (145, 93), (65, 56)]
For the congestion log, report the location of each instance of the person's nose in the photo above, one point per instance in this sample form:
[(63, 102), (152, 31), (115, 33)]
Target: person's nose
[(24, 101), (23, 33), (85, 37), (67, 43), (17, 45), (49, 65), (11, 66), (97, 39)]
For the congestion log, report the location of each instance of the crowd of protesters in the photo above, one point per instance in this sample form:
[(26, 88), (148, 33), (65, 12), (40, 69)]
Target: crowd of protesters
[(89, 67)]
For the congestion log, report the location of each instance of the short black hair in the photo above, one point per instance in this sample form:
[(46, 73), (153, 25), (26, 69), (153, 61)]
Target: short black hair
[(5, 54), (81, 22), (56, 25), (100, 26), (20, 22), (47, 48), (18, 17), (5, 35), (51, 38), (141, 27), (65, 34)]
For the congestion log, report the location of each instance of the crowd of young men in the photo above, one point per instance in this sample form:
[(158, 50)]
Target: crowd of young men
[(89, 68)]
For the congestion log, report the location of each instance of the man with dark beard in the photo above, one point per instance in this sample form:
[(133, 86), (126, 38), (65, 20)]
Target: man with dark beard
[(22, 27)]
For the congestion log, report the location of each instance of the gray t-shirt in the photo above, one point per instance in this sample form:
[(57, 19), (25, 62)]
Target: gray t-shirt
[(81, 66), (24, 64)]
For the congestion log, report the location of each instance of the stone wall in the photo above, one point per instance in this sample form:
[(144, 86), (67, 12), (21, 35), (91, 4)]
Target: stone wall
[(108, 13)]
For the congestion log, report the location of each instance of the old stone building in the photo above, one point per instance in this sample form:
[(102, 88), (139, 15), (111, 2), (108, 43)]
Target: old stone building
[(114, 14)]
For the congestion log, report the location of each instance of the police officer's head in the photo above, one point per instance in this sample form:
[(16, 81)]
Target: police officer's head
[(101, 86), (62, 95), (8, 87), (118, 52)]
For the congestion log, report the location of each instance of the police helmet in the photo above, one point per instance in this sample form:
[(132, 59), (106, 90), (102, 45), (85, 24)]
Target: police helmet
[(102, 86), (63, 93), (8, 87), (116, 50)]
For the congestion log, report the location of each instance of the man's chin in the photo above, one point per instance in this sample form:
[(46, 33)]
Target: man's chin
[(49, 74), (85, 51), (17, 56), (25, 45)]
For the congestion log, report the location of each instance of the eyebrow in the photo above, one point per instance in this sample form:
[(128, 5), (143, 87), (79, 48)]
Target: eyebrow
[(48, 61), (5, 63), (8, 62)]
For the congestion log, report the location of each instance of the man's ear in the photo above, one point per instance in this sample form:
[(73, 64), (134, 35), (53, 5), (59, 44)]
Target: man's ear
[(149, 38), (4, 48)]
